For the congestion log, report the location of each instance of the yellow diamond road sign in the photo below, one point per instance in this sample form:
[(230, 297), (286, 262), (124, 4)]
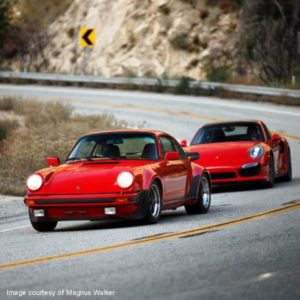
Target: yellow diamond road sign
[(87, 37)]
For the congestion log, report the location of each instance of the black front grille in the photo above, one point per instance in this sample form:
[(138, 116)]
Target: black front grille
[(250, 171), (223, 175)]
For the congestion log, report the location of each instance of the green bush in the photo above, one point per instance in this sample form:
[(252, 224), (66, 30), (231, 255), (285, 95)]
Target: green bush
[(183, 86), (129, 73), (297, 80), (179, 41), (219, 74), (159, 87)]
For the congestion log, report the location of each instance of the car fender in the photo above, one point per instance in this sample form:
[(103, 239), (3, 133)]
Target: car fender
[(197, 173), (147, 177)]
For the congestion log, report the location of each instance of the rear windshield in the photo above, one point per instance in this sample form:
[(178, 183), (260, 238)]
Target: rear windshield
[(220, 133), (130, 146)]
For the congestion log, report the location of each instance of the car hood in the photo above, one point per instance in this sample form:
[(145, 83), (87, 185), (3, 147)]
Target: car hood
[(91, 177), (224, 154)]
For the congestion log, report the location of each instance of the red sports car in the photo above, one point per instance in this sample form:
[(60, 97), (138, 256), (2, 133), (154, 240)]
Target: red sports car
[(241, 151), (120, 174)]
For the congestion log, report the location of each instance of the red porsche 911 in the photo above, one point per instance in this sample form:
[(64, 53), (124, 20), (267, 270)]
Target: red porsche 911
[(241, 151), (118, 174)]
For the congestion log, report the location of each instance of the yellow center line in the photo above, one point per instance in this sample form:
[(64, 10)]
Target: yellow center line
[(140, 108), (157, 110), (292, 137), (152, 239)]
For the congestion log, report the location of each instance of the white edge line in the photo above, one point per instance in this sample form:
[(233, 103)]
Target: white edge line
[(14, 228)]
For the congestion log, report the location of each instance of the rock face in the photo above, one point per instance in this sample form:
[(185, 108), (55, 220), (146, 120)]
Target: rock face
[(150, 38)]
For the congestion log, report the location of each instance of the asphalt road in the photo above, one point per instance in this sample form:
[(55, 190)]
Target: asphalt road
[(253, 258)]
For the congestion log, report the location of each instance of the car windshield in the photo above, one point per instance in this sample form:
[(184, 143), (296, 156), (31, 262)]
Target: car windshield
[(230, 132), (130, 146)]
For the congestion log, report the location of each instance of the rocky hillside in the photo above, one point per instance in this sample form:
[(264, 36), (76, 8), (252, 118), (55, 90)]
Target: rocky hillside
[(151, 38)]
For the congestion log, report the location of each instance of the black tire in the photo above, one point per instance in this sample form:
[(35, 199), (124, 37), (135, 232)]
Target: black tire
[(204, 198), (289, 174), (42, 226), (271, 181), (153, 209)]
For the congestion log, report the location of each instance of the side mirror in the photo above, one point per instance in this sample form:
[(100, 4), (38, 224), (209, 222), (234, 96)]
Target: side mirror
[(193, 155), (183, 143), (171, 156), (276, 137), (53, 161)]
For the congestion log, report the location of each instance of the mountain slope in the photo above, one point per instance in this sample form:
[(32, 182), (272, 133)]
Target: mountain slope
[(143, 38)]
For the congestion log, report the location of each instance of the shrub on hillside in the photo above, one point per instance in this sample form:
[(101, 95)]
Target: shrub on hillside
[(183, 86), (219, 74)]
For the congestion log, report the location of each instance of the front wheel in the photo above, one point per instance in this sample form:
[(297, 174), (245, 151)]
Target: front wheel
[(204, 198), (153, 204), (42, 226)]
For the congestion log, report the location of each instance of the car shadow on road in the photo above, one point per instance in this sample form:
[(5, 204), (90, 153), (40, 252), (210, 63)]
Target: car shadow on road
[(96, 225), (237, 187), (250, 186), (166, 216)]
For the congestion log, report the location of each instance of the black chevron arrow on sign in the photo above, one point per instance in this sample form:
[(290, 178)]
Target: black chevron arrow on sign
[(86, 36)]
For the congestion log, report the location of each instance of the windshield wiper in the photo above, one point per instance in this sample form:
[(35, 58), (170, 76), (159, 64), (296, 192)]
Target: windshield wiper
[(113, 157), (102, 157), (75, 159), (91, 158), (95, 157)]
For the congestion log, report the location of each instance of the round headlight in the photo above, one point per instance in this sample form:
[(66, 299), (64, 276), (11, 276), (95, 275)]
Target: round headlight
[(34, 182), (125, 180), (256, 151)]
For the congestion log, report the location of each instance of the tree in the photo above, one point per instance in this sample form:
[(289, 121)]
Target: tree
[(268, 38), (24, 30), (5, 23)]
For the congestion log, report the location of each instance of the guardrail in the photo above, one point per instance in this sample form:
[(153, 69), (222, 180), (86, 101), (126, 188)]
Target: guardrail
[(150, 82)]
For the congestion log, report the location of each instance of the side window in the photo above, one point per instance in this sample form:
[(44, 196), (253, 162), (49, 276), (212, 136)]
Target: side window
[(170, 145), (166, 145), (268, 134), (179, 149)]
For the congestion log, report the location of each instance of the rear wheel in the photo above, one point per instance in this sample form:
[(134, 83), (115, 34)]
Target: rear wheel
[(42, 226), (153, 204), (204, 198), (271, 181), (289, 174)]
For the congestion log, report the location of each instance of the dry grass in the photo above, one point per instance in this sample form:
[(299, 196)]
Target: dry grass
[(244, 80), (280, 100), (50, 129)]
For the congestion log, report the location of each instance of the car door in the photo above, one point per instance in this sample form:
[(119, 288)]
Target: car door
[(175, 172), (275, 146)]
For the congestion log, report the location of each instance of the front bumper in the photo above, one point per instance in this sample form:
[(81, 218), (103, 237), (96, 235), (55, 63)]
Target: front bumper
[(87, 207), (242, 173)]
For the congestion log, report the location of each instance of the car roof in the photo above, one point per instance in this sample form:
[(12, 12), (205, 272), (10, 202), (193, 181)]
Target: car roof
[(155, 132), (232, 122)]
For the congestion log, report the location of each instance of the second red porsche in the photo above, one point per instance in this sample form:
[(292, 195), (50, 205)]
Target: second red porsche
[(241, 151)]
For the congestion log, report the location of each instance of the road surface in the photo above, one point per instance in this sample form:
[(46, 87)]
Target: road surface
[(251, 252)]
